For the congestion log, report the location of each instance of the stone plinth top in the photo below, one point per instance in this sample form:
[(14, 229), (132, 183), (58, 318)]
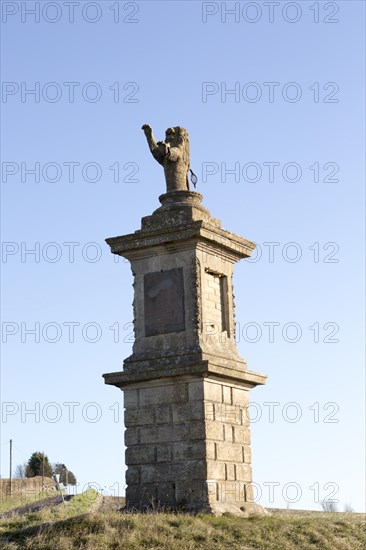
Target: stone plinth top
[(179, 208), (229, 244), (247, 379)]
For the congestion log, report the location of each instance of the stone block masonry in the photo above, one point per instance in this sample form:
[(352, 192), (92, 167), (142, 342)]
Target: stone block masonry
[(188, 444)]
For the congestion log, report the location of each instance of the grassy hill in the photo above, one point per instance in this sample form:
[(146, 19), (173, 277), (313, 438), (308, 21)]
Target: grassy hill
[(90, 522)]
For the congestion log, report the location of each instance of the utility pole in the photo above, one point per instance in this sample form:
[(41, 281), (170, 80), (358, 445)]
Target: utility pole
[(10, 464), (43, 472)]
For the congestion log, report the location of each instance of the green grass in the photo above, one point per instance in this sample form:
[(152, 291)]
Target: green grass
[(72, 527)]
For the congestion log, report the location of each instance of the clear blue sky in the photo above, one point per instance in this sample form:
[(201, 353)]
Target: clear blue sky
[(173, 64)]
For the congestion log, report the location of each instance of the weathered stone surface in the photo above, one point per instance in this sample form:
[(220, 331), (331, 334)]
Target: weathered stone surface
[(172, 154), (155, 395), (188, 411), (192, 450), (192, 441), (131, 399), (244, 472), (140, 454), (139, 417), (213, 392), (241, 434), (164, 452), (149, 435), (133, 475), (239, 397), (229, 453), (195, 391), (164, 302), (215, 470), (185, 386), (230, 472), (131, 436), (163, 414), (247, 454), (215, 430)]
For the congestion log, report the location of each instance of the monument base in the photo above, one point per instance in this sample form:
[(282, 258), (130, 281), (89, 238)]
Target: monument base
[(188, 439)]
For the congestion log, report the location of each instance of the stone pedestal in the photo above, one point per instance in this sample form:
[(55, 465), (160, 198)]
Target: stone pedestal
[(185, 386)]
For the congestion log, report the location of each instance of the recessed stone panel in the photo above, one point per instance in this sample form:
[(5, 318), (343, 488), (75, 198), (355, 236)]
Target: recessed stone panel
[(164, 302)]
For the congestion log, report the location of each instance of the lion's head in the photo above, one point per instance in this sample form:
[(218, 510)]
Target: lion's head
[(178, 137)]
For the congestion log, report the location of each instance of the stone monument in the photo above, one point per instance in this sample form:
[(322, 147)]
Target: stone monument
[(185, 386)]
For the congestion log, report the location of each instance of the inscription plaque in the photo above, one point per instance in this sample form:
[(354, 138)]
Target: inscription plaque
[(164, 302)]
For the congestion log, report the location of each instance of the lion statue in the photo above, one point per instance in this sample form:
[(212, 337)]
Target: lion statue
[(173, 155)]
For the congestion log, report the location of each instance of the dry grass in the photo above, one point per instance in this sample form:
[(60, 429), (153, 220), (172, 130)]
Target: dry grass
[(8, 503), (67, 528)]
